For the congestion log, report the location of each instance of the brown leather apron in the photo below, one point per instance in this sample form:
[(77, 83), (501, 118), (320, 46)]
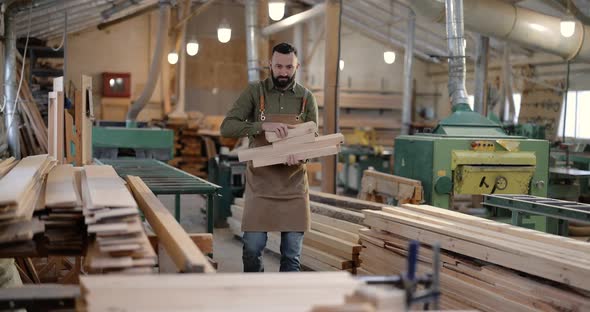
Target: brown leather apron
[(277, 196)]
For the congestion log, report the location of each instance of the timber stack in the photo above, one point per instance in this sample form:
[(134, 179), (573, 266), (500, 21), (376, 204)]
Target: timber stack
[(485, 265)]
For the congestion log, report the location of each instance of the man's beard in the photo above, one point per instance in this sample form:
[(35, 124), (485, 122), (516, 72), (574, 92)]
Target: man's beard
[(282, 82)]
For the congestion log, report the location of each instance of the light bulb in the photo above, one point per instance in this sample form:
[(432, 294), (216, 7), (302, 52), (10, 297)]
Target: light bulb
[(389, 57), (112, 82), (192, 48), (224, 32), (276, 10), (567, 27), (172, 58), (341, 64)]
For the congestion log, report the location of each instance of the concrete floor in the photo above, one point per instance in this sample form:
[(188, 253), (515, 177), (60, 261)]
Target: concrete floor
[(227, 250)]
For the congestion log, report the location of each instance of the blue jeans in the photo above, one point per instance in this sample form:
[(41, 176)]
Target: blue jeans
[(254, 243)]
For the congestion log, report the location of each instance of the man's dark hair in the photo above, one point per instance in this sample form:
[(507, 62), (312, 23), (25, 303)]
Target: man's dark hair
[(284, 48)]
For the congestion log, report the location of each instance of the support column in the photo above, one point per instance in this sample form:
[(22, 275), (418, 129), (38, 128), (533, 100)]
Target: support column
[(408, 67), (330, 111), (263, 43), (480, 103)]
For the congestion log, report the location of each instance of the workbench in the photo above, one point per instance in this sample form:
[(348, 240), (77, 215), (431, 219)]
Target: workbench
[(163, 179)]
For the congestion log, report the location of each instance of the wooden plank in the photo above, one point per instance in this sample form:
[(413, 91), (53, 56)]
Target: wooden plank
[(343, 201), (347, 247), (501, 227), (337, 223), (337, 213), (484, 248), (183, 251), (269, 151), (204, 241), (61, 190), (85, 137), (306, 138), (70, 137), (309, 127), (6, 165), (20, 231), (14, 184), (328, 259), (299, 156), (106, 188), (336, 232)]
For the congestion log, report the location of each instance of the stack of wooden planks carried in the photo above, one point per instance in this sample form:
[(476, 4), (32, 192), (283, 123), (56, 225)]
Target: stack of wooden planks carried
[(64, 222), (300, 142), (303, 291), (111, 214), (331, 245), (485, 265), (20, 190)]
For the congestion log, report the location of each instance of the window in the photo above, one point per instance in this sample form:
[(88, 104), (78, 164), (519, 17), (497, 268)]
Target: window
[(578, 105)]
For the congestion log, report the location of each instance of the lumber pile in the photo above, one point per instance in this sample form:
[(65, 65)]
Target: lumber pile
[(63, 218), (331, 245), (379, 187), (300, 142), (111, 214), (6, 165), (220, 292), (33, 131), (186, 255), (20, 190), (189, 156), (486, 265)]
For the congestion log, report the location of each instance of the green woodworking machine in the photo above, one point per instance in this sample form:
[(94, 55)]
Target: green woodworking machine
[(469, 154)]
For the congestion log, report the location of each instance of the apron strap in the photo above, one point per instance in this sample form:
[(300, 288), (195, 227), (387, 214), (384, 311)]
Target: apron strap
[(303, 104), (261, 88)]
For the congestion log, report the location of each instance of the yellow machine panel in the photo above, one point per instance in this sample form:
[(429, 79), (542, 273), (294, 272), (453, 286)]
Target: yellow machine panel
[(488, 172), (477, 180)]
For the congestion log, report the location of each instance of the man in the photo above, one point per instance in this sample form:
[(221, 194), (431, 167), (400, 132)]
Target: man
[(276, 197)]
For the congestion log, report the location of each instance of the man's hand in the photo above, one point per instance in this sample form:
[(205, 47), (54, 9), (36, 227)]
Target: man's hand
[(291, 160), (279, 128)]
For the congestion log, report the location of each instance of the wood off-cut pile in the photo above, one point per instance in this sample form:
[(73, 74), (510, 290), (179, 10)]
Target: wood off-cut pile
[(486, 265), (222, 292), (300, 142), (20, 190), (63, 218), (188, 144), (331, 245), (111, 215)]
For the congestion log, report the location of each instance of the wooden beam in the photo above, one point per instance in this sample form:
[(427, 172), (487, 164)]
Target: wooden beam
[(299, 130), (332, 61), (186, 255), (203, 241)]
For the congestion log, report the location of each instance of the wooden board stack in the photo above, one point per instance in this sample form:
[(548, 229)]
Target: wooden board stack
[(379, 186), (331, 245), (300, 142), (219, 292), (64, 222), (20, 190), (188, 144), (485, 264), (6, 165), (112, 216)]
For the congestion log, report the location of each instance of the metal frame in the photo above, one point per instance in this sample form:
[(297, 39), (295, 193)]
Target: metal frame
[(163, 179)]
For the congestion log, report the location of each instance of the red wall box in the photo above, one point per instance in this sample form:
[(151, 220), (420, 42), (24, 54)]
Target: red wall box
[(116, 84)]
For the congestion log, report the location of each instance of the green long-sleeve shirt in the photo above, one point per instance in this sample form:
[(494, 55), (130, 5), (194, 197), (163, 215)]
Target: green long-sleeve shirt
[(243, 119)]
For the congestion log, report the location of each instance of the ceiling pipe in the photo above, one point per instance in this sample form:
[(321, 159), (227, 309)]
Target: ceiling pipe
[(455, 41), (155, 66), (251, 11), (293, 20), (522, 26)]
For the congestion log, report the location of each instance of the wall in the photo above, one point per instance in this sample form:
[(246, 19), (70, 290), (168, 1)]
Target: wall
[(124, 47)]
